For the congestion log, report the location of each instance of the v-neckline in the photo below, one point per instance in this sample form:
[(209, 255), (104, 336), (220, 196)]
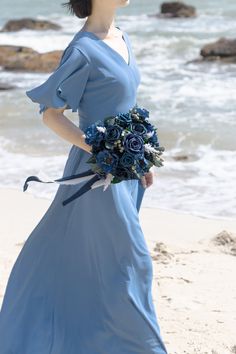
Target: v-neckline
[(110, 48)]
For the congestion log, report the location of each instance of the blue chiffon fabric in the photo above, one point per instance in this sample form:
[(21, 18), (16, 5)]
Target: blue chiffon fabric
[(82, 283)]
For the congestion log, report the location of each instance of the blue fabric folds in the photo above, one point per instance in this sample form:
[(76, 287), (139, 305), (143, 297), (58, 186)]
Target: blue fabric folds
[(59, 89), (82, 283)]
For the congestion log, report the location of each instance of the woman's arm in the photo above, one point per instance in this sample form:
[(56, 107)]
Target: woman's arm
[(62, 126)]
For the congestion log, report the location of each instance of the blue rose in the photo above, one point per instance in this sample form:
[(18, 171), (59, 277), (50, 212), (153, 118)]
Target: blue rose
[(142, 166), (127, 160), (153, 140), (93, 136), (113, 132), (107, 161), (133, 143), (150, 127), (123, 119), (138, 128), (110, 120), (142, 111), (124, 173)]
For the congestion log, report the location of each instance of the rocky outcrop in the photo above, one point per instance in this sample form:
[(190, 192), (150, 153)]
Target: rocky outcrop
[(29, 23), (11, 51), (177, 9), (5, 87), (223, 50), (19, 58)]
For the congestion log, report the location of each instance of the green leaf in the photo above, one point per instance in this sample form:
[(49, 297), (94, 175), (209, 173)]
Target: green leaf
[(92, 159), (116, 180)]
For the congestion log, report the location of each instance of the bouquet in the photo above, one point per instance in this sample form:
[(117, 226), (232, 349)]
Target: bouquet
[(124, 146)]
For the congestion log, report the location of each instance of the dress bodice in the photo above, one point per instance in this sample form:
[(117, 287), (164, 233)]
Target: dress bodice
[(92, 78)]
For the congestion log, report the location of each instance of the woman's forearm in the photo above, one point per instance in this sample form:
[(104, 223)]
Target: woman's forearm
[(62, 126)]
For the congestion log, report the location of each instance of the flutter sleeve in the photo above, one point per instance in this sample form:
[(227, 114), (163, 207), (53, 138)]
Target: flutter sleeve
[(65, 86)]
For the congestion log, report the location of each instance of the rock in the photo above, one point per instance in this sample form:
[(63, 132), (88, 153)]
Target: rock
[(19, 58), (180, 157), (184, 157), (213, 59), (29, 23), (223, 48), (45, 62), (162, 254), (226, 241), (10, 51), (4, 87), (177, 9), (233, 349)]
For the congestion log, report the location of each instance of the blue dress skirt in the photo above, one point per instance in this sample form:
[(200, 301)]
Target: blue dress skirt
[(82, 282)]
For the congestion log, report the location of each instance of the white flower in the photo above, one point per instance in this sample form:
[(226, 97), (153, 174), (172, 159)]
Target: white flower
[(101, 129), (148, 147), (149, 134)]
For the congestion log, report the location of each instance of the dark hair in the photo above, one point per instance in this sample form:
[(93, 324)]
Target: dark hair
[(79, 8)]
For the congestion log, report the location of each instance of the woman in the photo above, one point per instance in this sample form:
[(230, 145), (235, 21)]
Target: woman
[(82, 281)]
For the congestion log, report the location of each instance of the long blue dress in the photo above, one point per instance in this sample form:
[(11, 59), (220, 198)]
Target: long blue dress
[(82, 281)]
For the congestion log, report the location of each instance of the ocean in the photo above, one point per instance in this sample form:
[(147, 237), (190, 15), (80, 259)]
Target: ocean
[(193, 105)]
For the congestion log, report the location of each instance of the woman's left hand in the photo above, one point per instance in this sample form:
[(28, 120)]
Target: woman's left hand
[(147, 179)]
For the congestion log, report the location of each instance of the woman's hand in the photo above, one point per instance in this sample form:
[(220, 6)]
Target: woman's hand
[(147, 179)]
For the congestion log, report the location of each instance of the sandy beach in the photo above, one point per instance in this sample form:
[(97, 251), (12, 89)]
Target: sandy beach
[(194, 264)]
